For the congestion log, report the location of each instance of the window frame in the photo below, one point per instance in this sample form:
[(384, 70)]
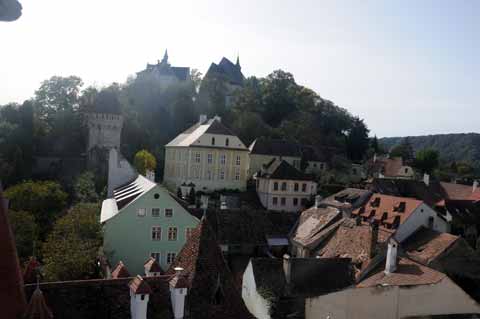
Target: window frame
[(238, 160), (284, 186), (296, 187), (176, 233), (275, 186), (283, 201), (155, 209), (209, 158), (168, 254), (158, 231), (165, 212), (275, 201), (198, 157), (223, 159), (144, 212), (159, 253), (304, 187)]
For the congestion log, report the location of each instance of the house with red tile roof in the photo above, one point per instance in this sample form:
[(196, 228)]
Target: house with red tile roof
[(398, 288)]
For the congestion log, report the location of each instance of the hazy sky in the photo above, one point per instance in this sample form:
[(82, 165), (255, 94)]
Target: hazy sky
[(406, 67)]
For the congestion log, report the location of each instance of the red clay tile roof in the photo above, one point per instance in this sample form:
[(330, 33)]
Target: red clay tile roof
[(139, 286), (459, 191), (152, 265), (425, 245), (387, 209), (212, 291), (408, 273), (120, 271), (12, 296), (37, 308)]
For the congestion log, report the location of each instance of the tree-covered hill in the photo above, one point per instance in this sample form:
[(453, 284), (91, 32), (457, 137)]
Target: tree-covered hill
[(463, 147)]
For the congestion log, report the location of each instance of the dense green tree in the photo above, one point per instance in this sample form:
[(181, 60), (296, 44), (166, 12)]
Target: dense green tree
[(427, 160), (71, 249), (403, 150), (357, 140), (25, 231), (84, 188), (46, 200), (279, 92), (144, 161)]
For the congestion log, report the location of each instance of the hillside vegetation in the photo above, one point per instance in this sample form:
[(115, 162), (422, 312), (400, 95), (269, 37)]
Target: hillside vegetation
[(451, 147)]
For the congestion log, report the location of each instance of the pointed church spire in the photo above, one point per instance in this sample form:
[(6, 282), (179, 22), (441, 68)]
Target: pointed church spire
[(238, 59), (165, 57)]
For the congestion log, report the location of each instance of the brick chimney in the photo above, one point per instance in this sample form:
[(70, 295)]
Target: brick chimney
[(178, 292), (391, 262), (287, 268)]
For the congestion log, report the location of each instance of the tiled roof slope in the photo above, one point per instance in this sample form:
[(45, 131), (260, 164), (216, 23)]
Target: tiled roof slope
[(280, 169), (312, 221), (152, 265), (120, 271), (212, 291), (247, 227), (387, 210), (101, 298), (408, 273), (12, 297), (353, 196)]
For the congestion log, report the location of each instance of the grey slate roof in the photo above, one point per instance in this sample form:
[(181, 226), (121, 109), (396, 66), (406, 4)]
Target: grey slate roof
[(280, 169), (227, 69)]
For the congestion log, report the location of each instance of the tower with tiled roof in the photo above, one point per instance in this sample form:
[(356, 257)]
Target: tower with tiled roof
[(12, 296)]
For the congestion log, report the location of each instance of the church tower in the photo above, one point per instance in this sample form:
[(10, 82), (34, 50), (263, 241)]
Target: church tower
[(105, 123)]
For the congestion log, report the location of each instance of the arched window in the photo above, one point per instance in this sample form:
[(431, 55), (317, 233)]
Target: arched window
[(275, 186), (284, 186)]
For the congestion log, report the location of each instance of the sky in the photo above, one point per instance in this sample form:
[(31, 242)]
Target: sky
[(405, 67)]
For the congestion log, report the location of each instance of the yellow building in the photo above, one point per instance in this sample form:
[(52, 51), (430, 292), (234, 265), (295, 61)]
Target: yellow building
[(208, 155)]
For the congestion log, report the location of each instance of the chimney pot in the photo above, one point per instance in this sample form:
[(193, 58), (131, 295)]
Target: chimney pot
[(391, 262), (287, 267), (202, 118)]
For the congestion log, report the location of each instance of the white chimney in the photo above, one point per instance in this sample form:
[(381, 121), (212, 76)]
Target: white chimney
[(202, 119), (150, 175), (178, 292), (139, 294), (475, 186), (391, 263), (426, 179), (287, 268), (318, 199)]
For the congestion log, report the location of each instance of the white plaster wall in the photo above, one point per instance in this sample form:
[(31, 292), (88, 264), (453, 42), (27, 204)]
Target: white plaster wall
[(418, 218), (266, 193), (392, 302), (256, 304), (181, 166)]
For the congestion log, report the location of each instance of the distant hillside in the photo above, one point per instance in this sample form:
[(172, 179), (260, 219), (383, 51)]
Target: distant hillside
[(452, 147)]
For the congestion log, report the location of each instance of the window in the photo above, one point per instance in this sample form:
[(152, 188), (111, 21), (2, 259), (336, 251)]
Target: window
[(168, 212), (237, 174), (222, 175), (155, 212), (157, 256), (275, 186), (156, 233), (295, 187), (213, 140), (170, 258), (209, 175), (295, 202), (188, 233), (172, 233), (156, 196), (197, 157), (282, 201), (227, 142), (209, 158), (304, 187), (223, 159), (274, 201), (406, 170), (141, 212), (284, 186), (237, 161)]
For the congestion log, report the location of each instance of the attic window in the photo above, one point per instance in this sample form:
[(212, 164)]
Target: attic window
[(213, 140), (227, 142)]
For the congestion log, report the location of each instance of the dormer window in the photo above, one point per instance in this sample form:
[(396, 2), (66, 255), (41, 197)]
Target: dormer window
[(213, 140), (399, 207), (227, 142)]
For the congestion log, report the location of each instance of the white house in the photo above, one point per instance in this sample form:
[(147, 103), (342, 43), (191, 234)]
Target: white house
[(282, 187), (208, 155), (401, 289)]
